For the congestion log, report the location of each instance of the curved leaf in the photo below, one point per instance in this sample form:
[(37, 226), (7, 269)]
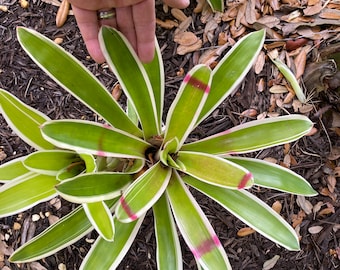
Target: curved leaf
[(273, 176), (101, 218), (50, 162), (93, 187), (254, 135), (143, 193), (12, 169), (232, 69), (109, 254), (169, 255), (195, 227), (56, 237), (251, 211), (132, 76), (189, 101), (75, 78), (216, 5), (155, 72), (23, 193), (214, 170), (24, 120), (94, 138)]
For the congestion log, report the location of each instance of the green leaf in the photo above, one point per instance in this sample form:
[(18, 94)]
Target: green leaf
[(108, 255), (75, 78), (169, 255), (101, 218), (155, 71), (12, 169), (250, 137), (273, 176), (94, 138), (214, 170), (50, 162), (290, 77), (61, 234), (24, 192), (251, 211), (90, 162), (132, 76), (24, 120), (232, 69), (195, 227), (187, 105), (216, 5), (68, 230), (93, 187), (143, 193)]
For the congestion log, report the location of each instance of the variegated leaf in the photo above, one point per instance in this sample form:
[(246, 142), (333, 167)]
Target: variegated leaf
[(143, 193), (94, 138), (124, 62), (75, 78), (195, 227), (214, 170)]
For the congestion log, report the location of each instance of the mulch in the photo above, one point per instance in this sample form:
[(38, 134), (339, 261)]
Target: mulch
[(315, 157)]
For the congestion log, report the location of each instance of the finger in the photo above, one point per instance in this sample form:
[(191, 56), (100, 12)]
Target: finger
[(145, 27), (177, 3), (126, 25), (88, 25), (101, 4)]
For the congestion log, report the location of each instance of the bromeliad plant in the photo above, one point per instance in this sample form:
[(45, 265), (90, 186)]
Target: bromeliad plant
[(118, 170)]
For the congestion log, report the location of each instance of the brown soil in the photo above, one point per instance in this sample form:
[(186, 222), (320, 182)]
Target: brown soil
[(19, 75)]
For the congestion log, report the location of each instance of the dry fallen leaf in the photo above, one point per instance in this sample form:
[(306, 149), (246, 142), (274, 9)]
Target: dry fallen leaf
[(304, 204), (315, 229), (62, 13), (277, 206), (313, 10), (185, 38), (178, 14), (167, 24), (245, 231), (182, 49), (270, 264)]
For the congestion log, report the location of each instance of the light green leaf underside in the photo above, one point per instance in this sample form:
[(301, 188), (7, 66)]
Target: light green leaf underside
[(55, 237), (232, 69), (21, 194), (195, 227), (94, 138), (132, 76), (275, 177), (109, 254), (50, 162), (12, 169), (101, 218), (24, 120), (169, 255), (93, 187), (254, 135), (187, 105), (251, 211), (143, 193), (214, 170), (74, 77)]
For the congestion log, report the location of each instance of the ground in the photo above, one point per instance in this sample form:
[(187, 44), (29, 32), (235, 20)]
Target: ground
[(315, 157)]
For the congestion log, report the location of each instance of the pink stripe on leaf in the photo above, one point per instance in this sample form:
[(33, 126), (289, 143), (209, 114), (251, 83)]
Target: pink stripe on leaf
[(206, 246), (127, 209), (197, 83)]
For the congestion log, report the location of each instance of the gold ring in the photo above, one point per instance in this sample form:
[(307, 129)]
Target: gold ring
[(106, 14)]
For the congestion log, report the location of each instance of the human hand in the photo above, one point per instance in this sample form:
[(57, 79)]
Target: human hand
[(134, 18)]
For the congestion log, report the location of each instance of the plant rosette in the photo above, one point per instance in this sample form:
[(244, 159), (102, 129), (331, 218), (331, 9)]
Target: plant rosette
[(133, 162)]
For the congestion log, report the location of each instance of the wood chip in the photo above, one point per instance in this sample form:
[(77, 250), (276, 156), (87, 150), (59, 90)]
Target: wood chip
[(185, 38)]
